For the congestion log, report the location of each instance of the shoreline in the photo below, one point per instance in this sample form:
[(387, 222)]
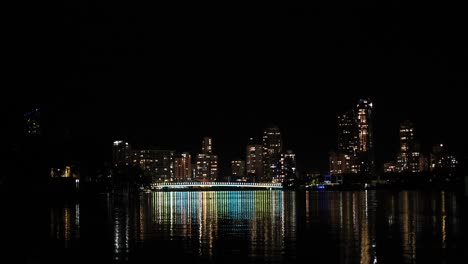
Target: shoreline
[(39, 193)]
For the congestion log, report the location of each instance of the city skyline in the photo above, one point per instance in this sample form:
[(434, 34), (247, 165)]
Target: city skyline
[(233, 79), (231, 135), (354, 153)]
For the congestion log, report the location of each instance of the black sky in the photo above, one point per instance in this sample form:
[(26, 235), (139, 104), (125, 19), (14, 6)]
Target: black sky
[(167, 76)]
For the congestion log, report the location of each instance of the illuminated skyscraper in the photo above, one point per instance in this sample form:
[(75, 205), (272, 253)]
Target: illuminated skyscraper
[(287, 167), (183, 167), (33, 122), (410, 158), (355, 141), (272, 148), (365, 136), (207, 147), (254, 163), (405, 156), (207, 167), (347, 133), (157, 163), (207, 162), (145, 159), (121, 153), (164, 165), (348, 142)]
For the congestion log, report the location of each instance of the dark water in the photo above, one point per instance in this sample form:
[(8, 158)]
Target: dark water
[(239, 227)]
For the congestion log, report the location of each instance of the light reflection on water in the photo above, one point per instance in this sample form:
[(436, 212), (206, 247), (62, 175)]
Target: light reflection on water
[(273, 226), (65, 224), (261, 219)]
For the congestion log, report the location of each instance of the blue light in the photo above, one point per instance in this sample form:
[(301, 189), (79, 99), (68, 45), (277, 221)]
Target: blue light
[(320, 186)]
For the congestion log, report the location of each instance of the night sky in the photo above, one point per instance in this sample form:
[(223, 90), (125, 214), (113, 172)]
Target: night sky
[(165, 77)]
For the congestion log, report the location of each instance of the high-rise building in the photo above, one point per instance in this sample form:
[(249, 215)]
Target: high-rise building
[(203, 171), (254, 163), (348, 144), (272, 148), (207, 167), (406, 160), (165, 165), (410, 158), (183, 167), (121, 153), (145, 159), (337, 163), (347, 133), (287, 167), (238, 168), (207, 146), (207, 162), (365, 136), (157, 163), (355, 141), (33, 122)]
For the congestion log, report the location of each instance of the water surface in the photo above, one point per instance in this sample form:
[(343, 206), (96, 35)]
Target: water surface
[(270, 226)]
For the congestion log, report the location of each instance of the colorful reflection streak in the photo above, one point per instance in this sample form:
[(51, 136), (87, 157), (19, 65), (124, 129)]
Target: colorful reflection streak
[(223, 223)]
